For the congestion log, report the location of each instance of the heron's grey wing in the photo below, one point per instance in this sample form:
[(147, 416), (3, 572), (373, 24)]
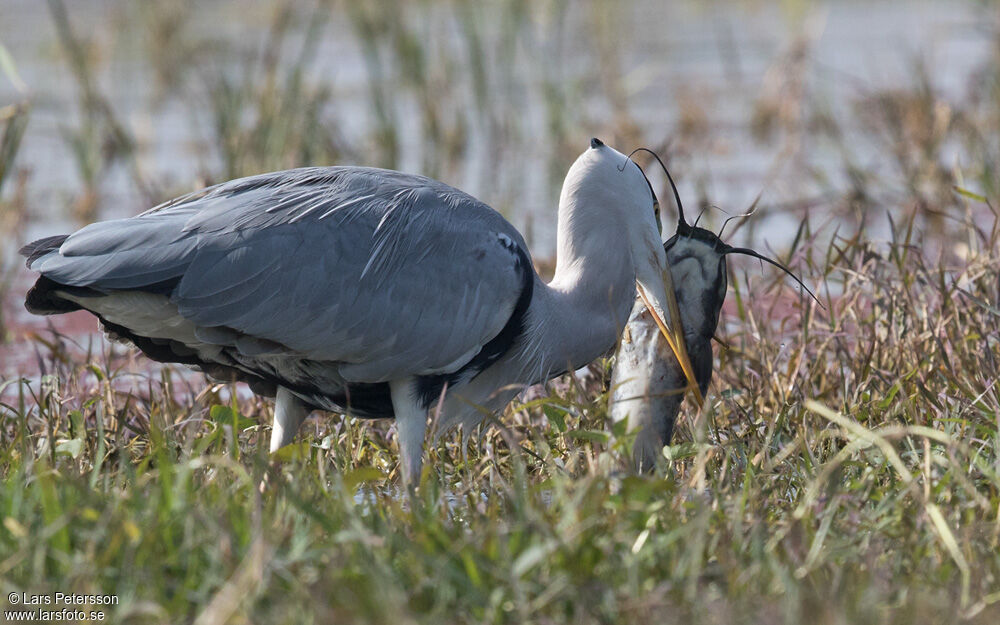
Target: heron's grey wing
[(385, 273)]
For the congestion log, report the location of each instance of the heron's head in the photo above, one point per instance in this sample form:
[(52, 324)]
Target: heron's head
[(606, 182), (607, 194)]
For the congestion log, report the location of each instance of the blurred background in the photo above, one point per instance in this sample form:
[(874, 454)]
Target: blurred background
[(842, 116)]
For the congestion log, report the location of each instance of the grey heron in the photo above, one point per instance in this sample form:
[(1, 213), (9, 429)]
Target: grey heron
[(365, 291)]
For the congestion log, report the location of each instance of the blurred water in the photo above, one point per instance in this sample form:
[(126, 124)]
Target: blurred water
[(713, 56)]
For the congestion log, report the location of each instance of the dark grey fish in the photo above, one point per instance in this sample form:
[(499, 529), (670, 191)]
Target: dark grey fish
[(649, 384)]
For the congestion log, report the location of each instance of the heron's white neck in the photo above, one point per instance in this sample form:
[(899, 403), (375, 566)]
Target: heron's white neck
[(579, 315)]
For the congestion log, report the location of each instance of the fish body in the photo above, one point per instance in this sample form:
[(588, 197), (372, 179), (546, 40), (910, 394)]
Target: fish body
[(648, 384)]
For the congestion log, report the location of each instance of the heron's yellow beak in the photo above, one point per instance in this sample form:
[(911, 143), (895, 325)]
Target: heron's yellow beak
[(656, 288)]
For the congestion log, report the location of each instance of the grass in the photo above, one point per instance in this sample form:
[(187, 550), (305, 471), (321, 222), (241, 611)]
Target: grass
[(845, 469), (850, 476), (13, 122)]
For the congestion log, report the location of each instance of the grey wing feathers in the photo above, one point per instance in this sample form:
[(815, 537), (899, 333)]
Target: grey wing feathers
[(385, 273)]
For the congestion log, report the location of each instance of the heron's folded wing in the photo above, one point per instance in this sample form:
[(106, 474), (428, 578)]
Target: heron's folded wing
[(121, 254), (387, 274)]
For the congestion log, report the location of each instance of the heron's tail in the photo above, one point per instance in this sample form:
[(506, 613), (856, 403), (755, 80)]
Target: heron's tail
[(36, 249), (42, 298)]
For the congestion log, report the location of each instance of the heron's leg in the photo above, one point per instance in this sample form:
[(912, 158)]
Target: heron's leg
[(289, 412), (411, 424)]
